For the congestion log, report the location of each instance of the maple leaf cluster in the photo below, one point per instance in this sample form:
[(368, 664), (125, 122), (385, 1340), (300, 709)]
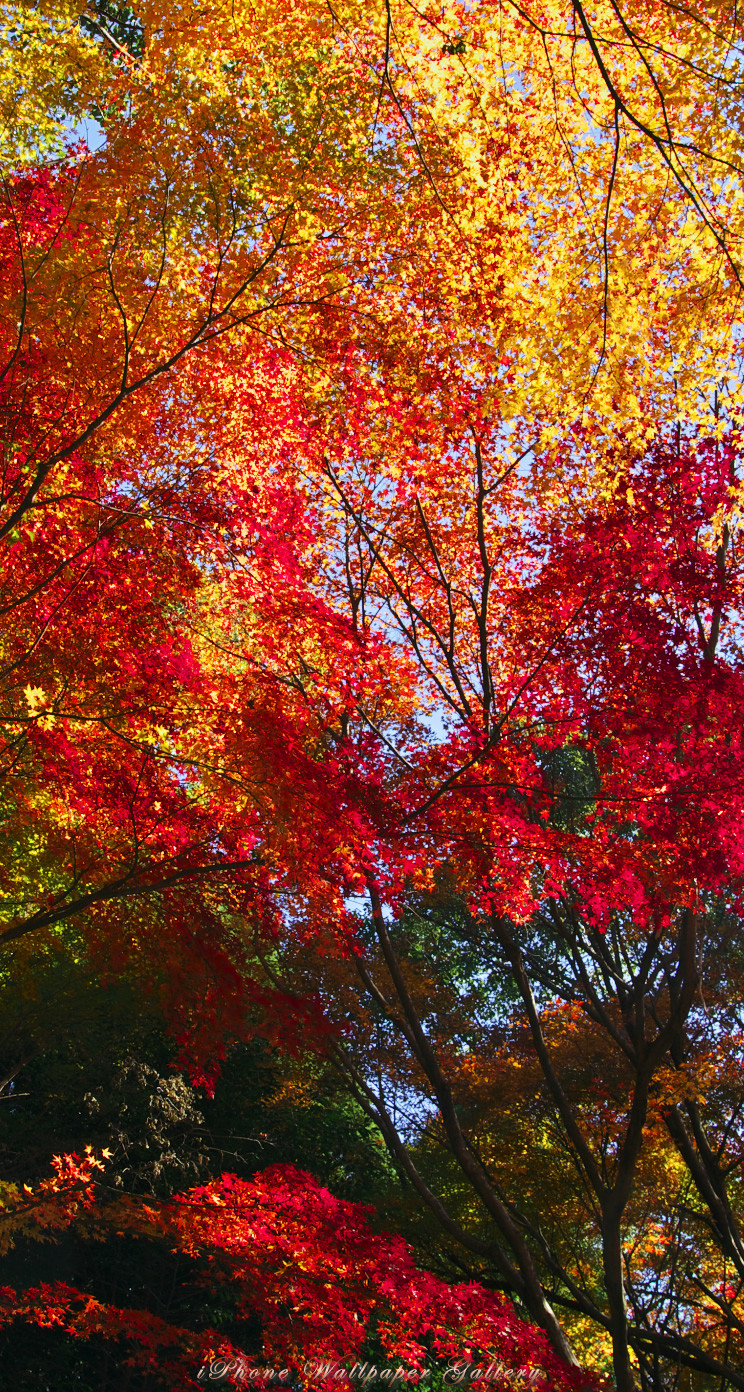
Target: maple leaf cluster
[(307, 1263)]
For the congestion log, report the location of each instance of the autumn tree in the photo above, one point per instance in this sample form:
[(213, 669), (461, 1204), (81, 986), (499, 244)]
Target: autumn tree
[(371, 407), (586, 668), (123, 495)]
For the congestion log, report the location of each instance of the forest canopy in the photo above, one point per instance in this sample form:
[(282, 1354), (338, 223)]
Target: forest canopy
[(371, 691)]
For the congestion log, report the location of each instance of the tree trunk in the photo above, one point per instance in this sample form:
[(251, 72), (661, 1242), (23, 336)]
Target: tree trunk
[(612, 1261)]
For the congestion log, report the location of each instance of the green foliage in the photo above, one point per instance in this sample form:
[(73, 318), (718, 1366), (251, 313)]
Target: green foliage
[(117, 22), (571, 777), (89, 1062)]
